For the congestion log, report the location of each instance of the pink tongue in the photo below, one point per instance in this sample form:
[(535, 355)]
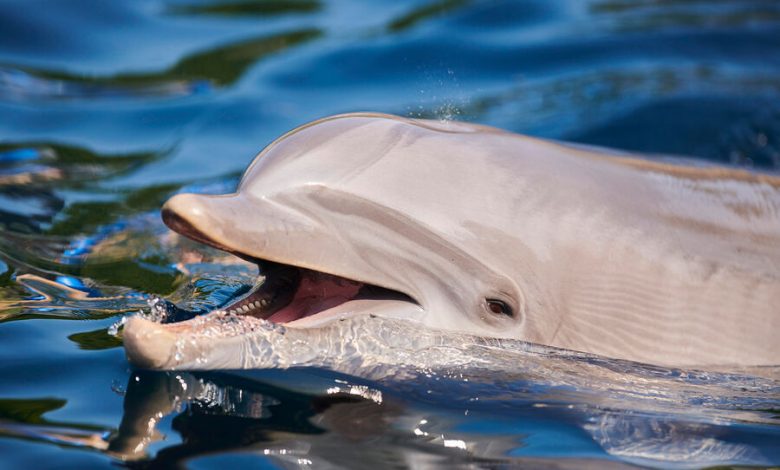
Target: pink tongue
[(314, 295)]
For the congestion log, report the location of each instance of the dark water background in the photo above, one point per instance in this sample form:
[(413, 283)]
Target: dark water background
[(108, 107)]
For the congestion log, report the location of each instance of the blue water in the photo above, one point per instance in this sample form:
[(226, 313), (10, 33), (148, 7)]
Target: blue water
[(107, 108)]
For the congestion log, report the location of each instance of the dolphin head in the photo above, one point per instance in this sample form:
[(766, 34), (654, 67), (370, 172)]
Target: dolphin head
[(364, 214)]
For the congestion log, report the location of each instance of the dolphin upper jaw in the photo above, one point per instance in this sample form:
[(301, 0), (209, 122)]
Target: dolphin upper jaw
[(274, 229)]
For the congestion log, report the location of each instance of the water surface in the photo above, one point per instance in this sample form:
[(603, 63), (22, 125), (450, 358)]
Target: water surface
[(108, 108)]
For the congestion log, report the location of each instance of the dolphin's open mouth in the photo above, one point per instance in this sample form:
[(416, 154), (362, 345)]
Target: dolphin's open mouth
[(301, 296), (286, 294)]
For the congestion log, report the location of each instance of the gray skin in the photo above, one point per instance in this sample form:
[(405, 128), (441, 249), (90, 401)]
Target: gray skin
[(593, 250)]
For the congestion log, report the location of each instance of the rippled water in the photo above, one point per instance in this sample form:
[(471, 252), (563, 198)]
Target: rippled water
[(107, 108)]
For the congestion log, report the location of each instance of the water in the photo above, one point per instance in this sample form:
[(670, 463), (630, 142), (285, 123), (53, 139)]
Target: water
[(107, 108)]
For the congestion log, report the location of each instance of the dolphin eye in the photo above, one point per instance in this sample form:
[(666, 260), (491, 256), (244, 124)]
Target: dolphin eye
[(499, 307)]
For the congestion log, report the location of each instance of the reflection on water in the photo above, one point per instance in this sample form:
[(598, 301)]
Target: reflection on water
[(23, 419), (250, 8), (56, 299), (653, 15), (33, 173), (194, 74), (108, 108), (336, 421), (424, 12)]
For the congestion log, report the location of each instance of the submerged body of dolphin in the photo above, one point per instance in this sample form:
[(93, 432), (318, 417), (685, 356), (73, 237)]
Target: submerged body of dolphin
[(471, 229)]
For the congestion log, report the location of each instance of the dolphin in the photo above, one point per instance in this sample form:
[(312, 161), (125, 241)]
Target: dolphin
[(469, 229)]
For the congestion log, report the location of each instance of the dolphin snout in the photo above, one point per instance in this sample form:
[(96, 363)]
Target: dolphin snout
[(148, 345)]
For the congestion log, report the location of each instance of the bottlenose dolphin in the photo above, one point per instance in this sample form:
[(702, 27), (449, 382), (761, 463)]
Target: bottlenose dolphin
[(467, 228)]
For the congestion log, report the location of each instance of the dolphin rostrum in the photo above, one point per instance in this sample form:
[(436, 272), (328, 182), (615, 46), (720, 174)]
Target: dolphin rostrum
[(470, 229)]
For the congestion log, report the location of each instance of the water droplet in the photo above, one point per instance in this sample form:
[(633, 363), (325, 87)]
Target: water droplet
[(118, 388), (113, 330)]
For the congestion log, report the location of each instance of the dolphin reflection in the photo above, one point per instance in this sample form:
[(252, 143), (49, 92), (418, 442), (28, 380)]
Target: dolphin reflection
[(304, 417)]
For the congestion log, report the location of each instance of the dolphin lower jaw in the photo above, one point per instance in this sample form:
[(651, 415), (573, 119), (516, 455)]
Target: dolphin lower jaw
[(285, 297), (148, 344)]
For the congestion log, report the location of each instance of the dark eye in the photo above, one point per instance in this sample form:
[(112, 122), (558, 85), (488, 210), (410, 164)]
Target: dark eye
[(499, 307)]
